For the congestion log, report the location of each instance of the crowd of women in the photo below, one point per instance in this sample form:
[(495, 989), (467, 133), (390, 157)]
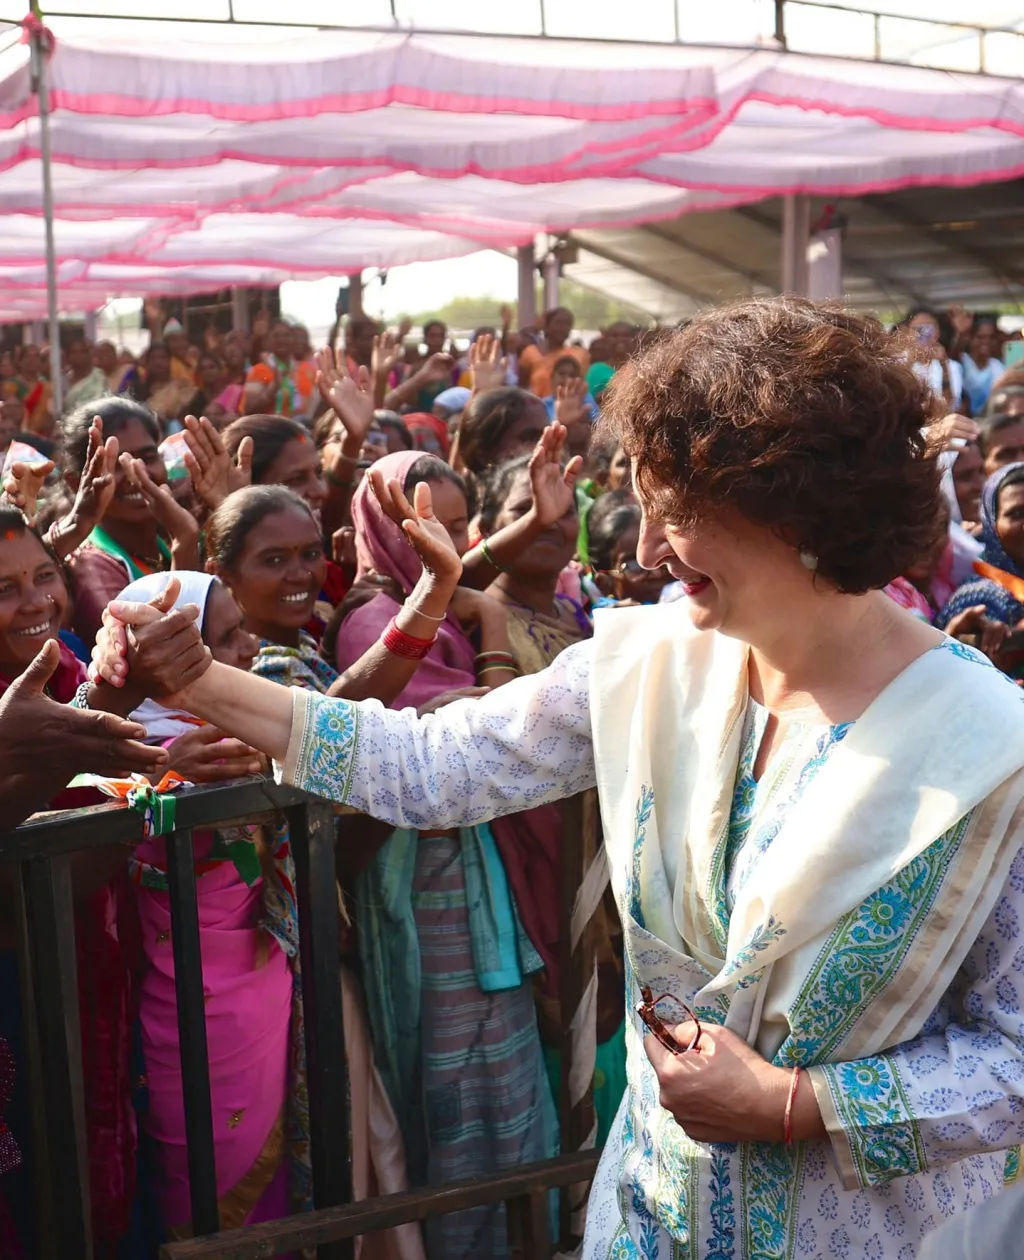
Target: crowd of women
[(401, 525)]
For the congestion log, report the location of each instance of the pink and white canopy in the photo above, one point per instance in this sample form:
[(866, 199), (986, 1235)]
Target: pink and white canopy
[(196, 163)]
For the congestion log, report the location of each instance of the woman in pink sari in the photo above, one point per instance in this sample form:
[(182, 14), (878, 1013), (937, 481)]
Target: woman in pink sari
[(249, 940)]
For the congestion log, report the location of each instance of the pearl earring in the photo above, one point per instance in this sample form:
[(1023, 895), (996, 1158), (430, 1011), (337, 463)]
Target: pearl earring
[(809, 560)]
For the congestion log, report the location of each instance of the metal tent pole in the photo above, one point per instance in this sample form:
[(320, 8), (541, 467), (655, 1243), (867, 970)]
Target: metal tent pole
[(42, 90)]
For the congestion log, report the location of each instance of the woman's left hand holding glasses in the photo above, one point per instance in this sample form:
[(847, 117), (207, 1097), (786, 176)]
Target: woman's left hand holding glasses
[(724, 1091)]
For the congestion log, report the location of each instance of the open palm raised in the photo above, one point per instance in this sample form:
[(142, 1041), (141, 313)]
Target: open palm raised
[(554, 487), (428, 537)]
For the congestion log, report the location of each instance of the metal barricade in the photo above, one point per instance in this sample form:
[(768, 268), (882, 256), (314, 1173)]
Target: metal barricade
[(37, 859)]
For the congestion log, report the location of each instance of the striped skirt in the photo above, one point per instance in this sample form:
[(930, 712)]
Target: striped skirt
[(487, 1104)]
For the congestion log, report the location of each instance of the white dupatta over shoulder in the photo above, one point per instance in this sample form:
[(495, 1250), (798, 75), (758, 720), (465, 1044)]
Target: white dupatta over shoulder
[(945, 738)]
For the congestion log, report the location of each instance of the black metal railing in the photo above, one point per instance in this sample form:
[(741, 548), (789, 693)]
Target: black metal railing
[(39, 855)]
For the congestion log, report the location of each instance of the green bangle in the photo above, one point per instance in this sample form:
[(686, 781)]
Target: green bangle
[(486, 553)]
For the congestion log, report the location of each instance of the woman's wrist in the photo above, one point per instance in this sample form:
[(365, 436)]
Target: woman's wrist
[(426, 607)]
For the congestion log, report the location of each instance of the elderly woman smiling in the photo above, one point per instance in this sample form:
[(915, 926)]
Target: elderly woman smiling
[(813, 806)]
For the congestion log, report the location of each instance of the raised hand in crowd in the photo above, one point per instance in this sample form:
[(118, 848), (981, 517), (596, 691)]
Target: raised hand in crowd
[(351, 398), (554, 487), (43, 744), (207, 755), (430, 540), (570, 405), (92, 498), (438, 367), (487, 367), (952, 431), (180, 526), (214, 474), (23, 484), (386, 356), (553, 496)]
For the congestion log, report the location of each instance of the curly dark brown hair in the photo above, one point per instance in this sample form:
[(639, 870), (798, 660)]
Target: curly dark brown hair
[(804, 417)]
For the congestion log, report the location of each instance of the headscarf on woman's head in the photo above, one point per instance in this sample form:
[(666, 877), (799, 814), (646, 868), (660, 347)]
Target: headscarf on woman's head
[(430, 433), (994, 553), (195, 589), (381, 545), (160, 722)]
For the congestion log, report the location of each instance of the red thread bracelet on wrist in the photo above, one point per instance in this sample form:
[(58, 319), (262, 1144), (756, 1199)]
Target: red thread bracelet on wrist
[(787, 1121), (398, 643)]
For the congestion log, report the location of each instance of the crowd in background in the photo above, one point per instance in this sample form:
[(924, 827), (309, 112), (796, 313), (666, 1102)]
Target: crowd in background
[(243, 466)]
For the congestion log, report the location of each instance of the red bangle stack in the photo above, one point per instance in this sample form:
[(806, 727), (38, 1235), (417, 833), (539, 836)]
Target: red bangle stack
[(401, 644)]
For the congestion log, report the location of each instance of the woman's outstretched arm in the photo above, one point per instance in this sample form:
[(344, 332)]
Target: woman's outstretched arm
[(526, 744)]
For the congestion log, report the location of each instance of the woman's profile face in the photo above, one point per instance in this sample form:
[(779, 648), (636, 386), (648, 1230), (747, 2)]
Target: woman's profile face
[(223, 633), (280, 572), (549, 553), (732, 572), (33, 598), (1010, 521), (925, 327)]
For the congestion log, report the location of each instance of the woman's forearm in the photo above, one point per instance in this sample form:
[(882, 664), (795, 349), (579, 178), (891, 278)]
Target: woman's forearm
[(480, 567), (245, 706), (380, 674)]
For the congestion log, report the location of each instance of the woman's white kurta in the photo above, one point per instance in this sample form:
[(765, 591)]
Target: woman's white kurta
[(892, 958)]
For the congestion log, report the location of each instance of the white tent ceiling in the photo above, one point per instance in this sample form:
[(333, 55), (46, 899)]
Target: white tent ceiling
[(197, 163)]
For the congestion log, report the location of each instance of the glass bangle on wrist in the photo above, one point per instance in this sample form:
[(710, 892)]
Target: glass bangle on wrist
[(399, 643), (419, 612), (486, 553)]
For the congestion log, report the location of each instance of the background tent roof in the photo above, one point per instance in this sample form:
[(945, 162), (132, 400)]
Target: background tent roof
[(194, 161)]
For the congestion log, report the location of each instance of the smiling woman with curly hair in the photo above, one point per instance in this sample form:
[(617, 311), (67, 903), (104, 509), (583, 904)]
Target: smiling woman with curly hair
[(813, 807)]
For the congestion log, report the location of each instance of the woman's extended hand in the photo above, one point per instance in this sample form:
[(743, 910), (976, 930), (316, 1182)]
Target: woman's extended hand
[(487, 369), (428, 536), (214, 476), (723, 1091), (352, 400), (207, 755), (554, 487)]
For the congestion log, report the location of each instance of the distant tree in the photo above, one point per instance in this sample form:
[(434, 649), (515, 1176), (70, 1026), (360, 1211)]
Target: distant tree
[(592, 310)]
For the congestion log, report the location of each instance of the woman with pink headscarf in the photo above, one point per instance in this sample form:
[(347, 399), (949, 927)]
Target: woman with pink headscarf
[(446, 960)]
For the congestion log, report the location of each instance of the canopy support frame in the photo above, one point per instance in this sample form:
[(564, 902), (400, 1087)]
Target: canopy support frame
[(39, 52)]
